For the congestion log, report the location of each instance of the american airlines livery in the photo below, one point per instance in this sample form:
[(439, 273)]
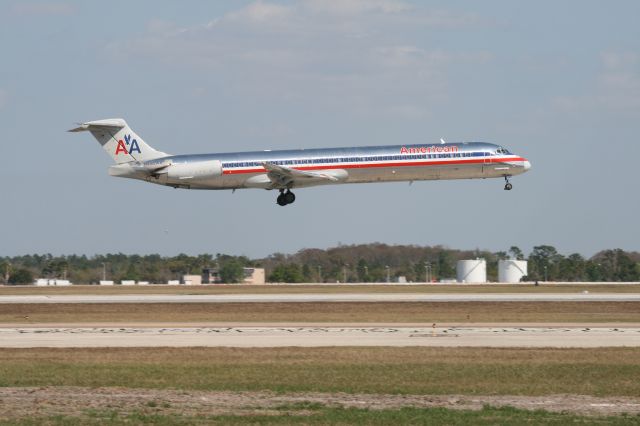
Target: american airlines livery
[(287, 169)]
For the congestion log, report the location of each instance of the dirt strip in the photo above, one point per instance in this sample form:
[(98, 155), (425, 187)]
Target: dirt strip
[(201, 324), (77, 401)]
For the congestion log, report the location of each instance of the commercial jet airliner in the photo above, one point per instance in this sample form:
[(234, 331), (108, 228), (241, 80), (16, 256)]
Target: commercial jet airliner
[(287, 169)]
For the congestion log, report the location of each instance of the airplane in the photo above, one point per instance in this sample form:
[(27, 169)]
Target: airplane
[(285, 170)]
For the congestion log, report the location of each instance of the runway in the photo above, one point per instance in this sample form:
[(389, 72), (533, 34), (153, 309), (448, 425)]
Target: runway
[(319, 297), (318, 336)]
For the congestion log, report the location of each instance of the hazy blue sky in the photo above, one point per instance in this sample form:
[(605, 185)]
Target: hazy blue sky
[(557, 82)]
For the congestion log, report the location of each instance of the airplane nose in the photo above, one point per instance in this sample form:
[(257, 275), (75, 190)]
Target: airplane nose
[(526, 164)]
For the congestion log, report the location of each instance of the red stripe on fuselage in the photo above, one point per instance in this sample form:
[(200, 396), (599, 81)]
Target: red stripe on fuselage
[(381, 164)]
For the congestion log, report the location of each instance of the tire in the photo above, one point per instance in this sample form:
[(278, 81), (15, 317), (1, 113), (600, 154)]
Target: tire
[(289, 197)]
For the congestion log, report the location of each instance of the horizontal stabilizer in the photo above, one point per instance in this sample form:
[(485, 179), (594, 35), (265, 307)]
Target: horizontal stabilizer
[(113, 123)]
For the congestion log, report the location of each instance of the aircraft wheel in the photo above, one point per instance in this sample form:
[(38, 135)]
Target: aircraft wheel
[(281, 200), (289, 197), (508, 187)]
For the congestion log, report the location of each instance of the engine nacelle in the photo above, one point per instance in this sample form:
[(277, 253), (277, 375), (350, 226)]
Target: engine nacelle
[(195, 171)]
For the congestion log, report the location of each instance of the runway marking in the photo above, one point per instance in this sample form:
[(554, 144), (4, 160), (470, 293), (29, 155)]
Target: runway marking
[(289, 330), (318, 336)]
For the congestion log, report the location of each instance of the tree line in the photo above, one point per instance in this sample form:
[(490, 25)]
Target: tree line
[(374, 262)]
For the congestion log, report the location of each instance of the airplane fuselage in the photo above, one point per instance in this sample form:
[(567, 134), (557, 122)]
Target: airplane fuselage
[(466, 160)]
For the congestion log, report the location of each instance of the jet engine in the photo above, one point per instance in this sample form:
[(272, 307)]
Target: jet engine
[(194, 171)]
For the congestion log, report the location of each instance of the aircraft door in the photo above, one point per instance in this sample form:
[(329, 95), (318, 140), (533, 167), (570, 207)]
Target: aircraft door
[(486, 162)]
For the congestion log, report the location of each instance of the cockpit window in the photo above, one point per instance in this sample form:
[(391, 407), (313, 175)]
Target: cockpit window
[(503, 151)]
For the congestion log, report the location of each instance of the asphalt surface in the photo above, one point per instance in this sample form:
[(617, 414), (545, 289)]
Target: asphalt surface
[(316, 336), (318, 297)]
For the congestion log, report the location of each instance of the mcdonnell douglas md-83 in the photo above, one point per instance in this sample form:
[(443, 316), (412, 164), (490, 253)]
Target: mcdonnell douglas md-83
[(300, 168)]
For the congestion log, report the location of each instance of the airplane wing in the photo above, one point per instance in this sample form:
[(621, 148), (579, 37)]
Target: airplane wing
[(282, 176)]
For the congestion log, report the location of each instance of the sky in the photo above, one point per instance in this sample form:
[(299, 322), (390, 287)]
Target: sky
[(555, 82)]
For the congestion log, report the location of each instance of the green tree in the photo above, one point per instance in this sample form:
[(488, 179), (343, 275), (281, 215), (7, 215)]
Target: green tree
[(287, 273), (293, 274), (363, 271), (21, 276), (616, 265), (232, 271), (307, 273), (131, 273), (445, 265), (419, 271), (277, 275), (544, 263), (516, 253), (55, 268), (593, 271), (573, 268)]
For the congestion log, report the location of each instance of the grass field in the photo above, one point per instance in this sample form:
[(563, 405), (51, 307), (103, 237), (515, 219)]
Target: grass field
[(314, 288), (361, 312), (322, 415), (419, 371)]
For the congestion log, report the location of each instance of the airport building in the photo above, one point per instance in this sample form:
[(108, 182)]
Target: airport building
[(251, 276), (41, 282), (192, 279)]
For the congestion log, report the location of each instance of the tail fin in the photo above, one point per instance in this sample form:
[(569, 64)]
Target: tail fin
[(120, 142)]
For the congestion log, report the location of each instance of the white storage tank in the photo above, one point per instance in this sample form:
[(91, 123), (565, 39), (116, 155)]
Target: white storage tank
[(511, 270), (471, 271)]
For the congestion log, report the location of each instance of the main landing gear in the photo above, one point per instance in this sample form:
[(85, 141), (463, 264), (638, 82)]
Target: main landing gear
[(507, 185), (285, 197)]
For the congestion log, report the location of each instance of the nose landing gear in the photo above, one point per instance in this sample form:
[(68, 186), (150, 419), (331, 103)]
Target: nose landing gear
[(507, 185), (285, 197)]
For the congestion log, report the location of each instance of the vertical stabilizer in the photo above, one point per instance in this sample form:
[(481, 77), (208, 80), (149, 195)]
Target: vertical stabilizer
[(120, 142)]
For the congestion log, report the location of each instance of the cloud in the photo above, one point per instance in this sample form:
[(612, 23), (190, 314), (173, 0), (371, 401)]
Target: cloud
[(355, 7), (351, 55), (260, 12), (616, 89), (45, 8)]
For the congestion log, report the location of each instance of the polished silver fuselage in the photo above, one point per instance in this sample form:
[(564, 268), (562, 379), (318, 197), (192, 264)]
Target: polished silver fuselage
[(465, 160)]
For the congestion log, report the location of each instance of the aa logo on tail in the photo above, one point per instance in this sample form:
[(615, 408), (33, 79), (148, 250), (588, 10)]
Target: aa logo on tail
[(132, 145)]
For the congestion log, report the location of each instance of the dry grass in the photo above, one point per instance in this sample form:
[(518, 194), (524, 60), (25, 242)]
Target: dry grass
[(469, 371), (361, 312), (195, 356), (315, 288)]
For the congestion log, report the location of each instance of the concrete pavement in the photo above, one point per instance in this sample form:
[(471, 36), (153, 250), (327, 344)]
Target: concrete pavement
[(319, 297)]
